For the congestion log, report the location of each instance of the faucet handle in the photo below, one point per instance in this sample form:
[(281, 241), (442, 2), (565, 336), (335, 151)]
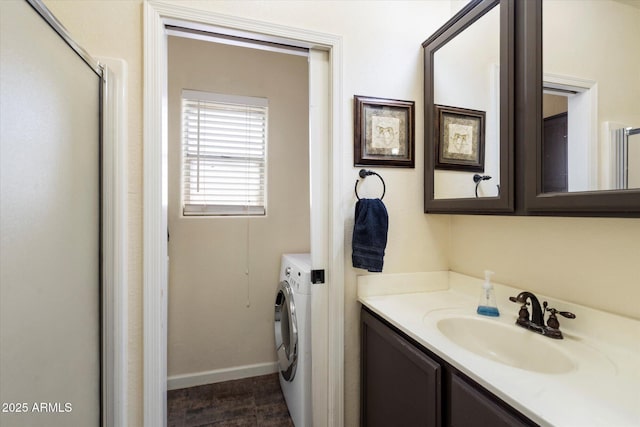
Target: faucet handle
[(567, 314), (523, 314), (552, 322), (553, 311)]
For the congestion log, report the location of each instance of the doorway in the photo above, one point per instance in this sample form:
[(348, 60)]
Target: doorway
[(327, 221), (554, 151), (224, 267), (572, 162)]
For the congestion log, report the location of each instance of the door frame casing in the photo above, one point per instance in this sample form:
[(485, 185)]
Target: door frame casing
[(155, 199), (115, 246)]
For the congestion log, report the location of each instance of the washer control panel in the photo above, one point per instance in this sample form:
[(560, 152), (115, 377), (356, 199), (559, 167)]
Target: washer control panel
[(295, 270), (293, 277)]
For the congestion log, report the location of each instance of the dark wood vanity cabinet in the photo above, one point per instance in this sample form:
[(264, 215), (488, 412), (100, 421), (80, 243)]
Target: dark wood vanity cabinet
[(403, 384)]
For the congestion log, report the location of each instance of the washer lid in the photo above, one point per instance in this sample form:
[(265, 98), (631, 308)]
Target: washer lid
[(286, 329)]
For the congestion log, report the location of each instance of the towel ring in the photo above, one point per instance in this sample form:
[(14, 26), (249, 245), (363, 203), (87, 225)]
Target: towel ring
[(365, 173), (477, 178)]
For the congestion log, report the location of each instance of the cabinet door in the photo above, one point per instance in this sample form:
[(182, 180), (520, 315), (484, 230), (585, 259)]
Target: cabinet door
[(471, 407), (400, 384)]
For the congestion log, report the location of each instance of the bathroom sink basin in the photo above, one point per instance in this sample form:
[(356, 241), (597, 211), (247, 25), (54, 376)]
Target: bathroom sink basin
[(505, 343)]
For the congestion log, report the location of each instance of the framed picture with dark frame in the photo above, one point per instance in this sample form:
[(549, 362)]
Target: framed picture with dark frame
[(383, 132), (459, 136)]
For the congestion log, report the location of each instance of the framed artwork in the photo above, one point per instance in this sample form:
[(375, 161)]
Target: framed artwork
[(459, 134), (383, 132)]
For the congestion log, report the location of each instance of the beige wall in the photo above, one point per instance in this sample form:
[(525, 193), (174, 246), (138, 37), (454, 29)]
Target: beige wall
[(219, 317), (588, 261), (596, 40), (593, 41), (553, 104), (600, 255)]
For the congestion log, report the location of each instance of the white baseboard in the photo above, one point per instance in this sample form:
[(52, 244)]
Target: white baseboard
[(219, 375)]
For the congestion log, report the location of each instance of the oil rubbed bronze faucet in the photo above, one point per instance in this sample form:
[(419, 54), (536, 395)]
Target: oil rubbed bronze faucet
[(536, 323)]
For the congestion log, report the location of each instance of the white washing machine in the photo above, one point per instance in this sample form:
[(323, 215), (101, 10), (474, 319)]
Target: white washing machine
[(293, 335)]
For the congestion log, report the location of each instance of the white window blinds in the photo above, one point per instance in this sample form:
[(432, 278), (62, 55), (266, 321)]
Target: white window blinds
[(223, 154)]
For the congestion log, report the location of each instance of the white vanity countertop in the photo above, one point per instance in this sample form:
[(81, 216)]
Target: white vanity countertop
[(603, 388)]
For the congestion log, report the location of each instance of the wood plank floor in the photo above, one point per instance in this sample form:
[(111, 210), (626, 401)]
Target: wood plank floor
[(256, 401)]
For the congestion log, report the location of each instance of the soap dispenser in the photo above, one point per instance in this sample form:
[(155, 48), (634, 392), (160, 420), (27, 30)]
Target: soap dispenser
[(487, 305)]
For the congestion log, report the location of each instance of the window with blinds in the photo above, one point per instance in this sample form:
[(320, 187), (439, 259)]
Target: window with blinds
[(224, 141)]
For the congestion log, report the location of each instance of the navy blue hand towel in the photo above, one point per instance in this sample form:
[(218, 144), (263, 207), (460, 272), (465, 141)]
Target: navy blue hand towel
[(370, 234)]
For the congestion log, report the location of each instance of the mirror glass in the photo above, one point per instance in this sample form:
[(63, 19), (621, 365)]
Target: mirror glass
[(466, 91), (591, 99)]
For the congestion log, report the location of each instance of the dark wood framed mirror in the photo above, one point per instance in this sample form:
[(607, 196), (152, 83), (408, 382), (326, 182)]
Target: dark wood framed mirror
[(571, 160), (469, 115)]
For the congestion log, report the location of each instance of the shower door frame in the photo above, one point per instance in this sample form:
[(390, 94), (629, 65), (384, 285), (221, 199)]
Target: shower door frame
[(113, 264)]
